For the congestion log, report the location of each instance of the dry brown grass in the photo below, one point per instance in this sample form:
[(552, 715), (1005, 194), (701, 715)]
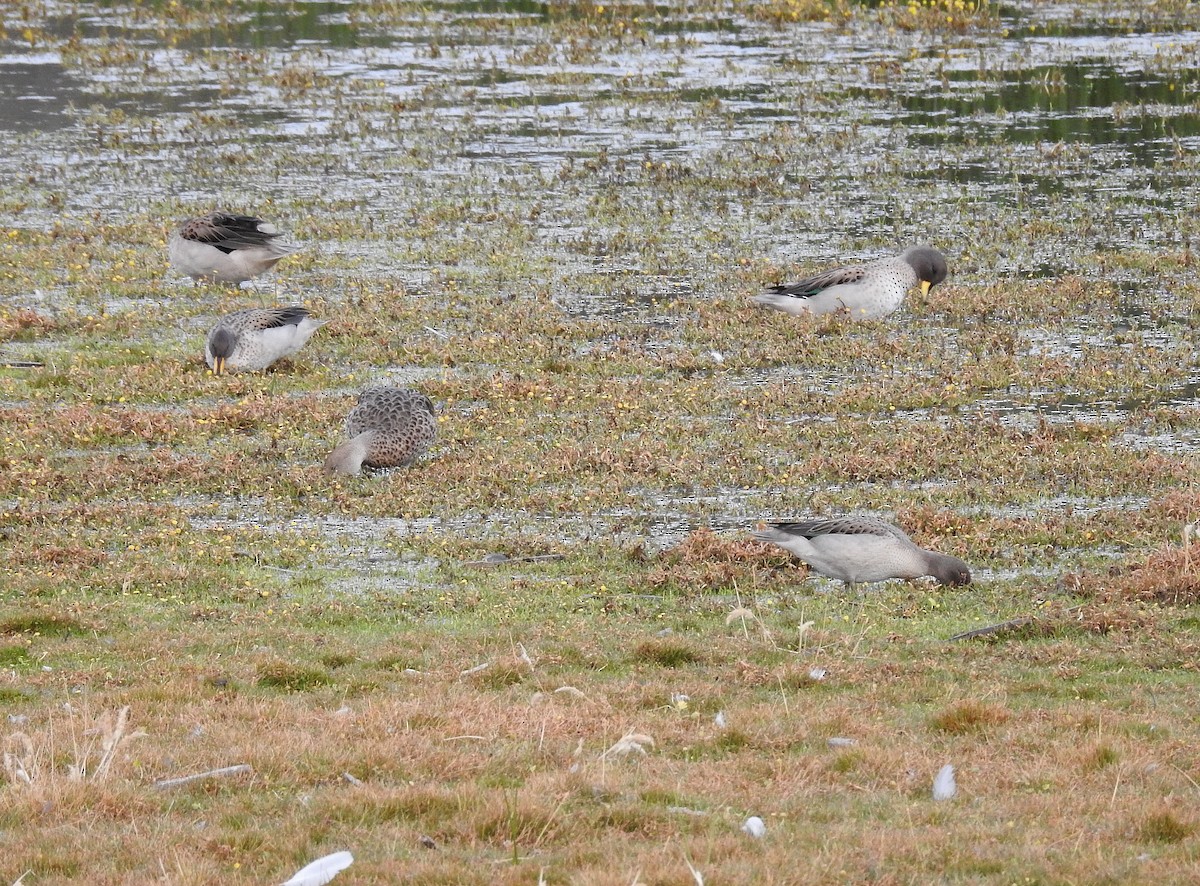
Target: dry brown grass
[(705, 561), (504, 781), (1169, 575)]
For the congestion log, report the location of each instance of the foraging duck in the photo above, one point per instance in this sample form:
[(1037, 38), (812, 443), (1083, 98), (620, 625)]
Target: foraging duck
[(862, 549), (255, 338), (388, 428), (226, 248), (866, 292)]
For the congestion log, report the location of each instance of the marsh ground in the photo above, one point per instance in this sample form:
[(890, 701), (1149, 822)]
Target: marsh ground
[(550, 217)]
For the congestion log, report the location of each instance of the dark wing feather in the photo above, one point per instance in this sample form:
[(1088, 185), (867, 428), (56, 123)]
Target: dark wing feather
[(841, 526), (228, 232), (811, 286), (274, 318)]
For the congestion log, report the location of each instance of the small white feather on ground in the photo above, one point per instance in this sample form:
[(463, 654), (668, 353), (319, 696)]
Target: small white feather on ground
[(321, 871), (632, 742), (755, 827), (944, 787)]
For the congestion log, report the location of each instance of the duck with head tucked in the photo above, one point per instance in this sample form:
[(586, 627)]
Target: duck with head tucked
[(390, 427), (856, 550), (255, 338), (864, 292), (226, 248)]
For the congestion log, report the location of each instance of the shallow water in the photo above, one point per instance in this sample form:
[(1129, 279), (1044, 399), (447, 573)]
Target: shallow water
[(1079, 123)]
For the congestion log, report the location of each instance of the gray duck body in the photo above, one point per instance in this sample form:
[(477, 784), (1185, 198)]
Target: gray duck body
[(866, 292), (390, 427), (862, 549)]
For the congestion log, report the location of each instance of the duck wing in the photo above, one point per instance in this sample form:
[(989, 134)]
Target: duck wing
[(810, 286), (841, 526), (275, 318), (227, 232)]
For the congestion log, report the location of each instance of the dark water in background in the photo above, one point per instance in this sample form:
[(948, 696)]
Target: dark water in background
[(1039, 75)]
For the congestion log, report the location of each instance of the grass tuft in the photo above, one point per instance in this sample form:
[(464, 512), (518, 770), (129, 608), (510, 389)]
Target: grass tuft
[(42, 625), (968, 717), (732, 740), (1100, 757), (13, 695), (14, 656), (1165, 827), (433, 807), (1169, 575), (666, 653), (705, 561), (847, 761), (291, 677)]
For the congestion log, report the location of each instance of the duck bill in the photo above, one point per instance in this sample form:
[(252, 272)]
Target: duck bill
[(925, 287)]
